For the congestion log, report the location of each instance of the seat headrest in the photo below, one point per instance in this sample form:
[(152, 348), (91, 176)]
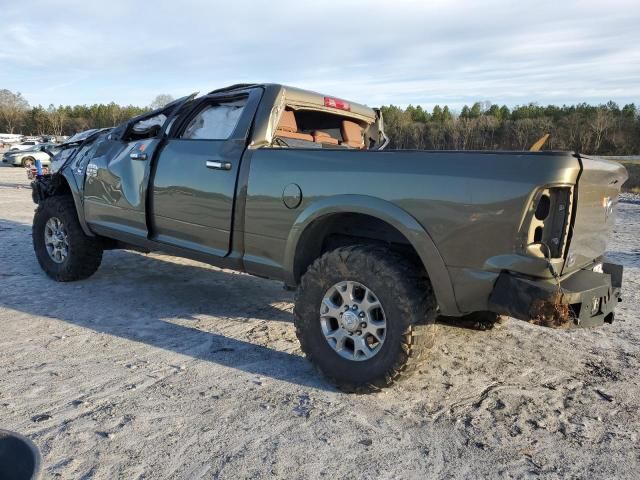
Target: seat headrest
[(320, 133), (352, 133), (288, 122)]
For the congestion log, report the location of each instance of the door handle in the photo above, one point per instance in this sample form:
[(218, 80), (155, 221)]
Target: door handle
[(216, 165), (138, 156)]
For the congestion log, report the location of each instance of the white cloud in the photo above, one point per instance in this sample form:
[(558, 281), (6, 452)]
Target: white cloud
[(370, 51)]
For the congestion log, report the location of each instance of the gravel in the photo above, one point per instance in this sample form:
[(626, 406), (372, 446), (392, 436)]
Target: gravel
[(160, 367)]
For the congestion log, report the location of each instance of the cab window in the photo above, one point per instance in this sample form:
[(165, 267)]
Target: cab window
[(215, 121)]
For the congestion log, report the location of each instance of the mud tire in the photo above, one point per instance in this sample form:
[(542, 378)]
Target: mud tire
[(85, 253), (28, 162), (406, 296)]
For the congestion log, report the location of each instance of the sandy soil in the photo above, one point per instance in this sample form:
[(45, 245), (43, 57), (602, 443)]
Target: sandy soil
[(159, 367)]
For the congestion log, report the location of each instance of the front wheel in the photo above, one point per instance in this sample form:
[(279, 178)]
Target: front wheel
[(28, 162), (365, 316), (63, 250)]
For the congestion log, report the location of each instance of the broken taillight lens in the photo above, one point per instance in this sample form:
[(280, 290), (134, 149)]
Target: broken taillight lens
[(549, 222)]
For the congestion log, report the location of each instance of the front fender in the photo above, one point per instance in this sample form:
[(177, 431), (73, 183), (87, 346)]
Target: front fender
[(77, 195), (415, 233)]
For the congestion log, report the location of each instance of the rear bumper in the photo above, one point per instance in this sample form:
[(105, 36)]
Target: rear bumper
[(584, 298)]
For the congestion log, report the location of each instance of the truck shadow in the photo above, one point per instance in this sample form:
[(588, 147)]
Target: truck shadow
[(158, 301)]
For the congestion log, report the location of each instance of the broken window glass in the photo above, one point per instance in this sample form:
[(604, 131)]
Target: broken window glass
[(149, 124), (215, 122)]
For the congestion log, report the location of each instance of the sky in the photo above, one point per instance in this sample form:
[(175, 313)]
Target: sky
[(374, 52)]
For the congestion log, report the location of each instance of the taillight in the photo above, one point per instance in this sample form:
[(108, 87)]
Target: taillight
[(337, 103), (548, 227)]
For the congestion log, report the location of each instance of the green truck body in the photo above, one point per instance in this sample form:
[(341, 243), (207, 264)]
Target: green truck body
[(500, 232)]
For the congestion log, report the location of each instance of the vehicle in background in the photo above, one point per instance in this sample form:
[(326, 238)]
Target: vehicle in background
[(27, 157), (8, 139), (25, 145)]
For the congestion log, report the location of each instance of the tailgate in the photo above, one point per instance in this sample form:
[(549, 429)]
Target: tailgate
[(597, 195)]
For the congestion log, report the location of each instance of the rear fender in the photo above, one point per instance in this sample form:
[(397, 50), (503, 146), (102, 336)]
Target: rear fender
[(408, 226)]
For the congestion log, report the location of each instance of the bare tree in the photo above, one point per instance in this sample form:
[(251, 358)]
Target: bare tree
[(57, 120), (467, 128), (522, 131), (115, 113), (600, 125), (161, 100), (13, 109)]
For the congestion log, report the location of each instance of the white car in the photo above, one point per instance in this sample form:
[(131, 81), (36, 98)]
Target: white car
[(26, 145), (27, 158)]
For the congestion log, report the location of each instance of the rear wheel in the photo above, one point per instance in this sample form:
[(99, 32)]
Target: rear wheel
[(64, 252), (28, 162), (365, 316)]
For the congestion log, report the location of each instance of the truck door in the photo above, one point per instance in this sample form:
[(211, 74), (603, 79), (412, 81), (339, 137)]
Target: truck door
[(117, 175), (194, 178)]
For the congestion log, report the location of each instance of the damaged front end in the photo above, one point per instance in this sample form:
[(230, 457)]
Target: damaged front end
[(59, 179), (45, 186), (586, 298)]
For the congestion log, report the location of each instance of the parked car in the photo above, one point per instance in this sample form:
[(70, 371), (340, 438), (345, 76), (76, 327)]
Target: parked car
[(28, 157), (25, 145), (10, 138), (296, 186)]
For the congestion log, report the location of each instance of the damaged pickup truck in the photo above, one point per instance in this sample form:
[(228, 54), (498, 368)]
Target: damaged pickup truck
[(297, 186)]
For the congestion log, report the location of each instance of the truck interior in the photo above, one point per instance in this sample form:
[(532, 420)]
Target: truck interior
[(317, 129)]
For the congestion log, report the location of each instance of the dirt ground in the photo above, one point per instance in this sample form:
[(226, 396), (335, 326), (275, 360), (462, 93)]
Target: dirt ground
[(158, 367)]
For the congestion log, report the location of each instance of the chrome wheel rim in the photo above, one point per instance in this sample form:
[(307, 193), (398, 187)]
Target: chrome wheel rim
[(353, 321), (56, 240)]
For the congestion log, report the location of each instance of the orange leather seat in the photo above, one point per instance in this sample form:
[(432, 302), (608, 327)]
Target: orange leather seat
[(323, 137), (288, 127), (352, 134)]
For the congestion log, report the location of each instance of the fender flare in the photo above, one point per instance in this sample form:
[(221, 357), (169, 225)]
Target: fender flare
[(395, 216), (77, 200)]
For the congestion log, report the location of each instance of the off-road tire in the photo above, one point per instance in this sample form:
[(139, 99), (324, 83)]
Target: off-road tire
[(28, 162), (406, 296), (85, 253)]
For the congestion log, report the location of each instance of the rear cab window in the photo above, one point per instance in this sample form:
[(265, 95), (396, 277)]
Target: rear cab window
[(306, 119), (308, 128)]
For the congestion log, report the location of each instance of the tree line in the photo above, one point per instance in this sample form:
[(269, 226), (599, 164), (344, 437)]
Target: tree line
[(16, 116), (606, 129)]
